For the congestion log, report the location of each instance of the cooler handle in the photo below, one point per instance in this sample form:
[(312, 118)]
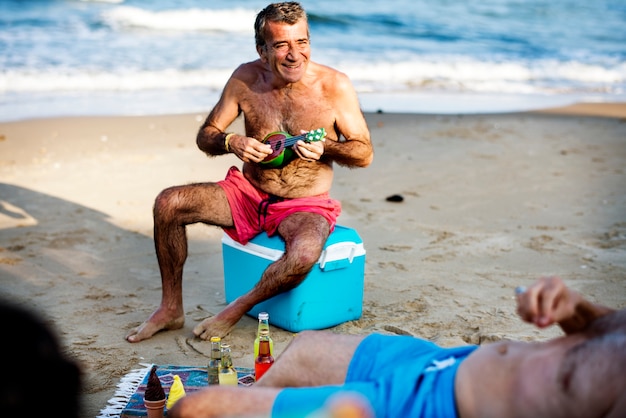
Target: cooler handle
[(337, 256)]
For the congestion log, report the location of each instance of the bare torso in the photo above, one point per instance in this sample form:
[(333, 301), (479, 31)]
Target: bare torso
[(308, 105), (571, 376)]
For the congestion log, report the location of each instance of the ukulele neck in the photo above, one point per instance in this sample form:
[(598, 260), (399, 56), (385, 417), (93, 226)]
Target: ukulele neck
[(292, 140)]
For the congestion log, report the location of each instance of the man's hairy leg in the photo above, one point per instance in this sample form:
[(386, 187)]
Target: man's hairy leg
[(297, 367), (174, 209), (304, 234), (225, 401)]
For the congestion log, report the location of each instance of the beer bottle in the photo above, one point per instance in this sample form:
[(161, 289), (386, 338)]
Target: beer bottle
[(264, 360), (264, 323), (214, 361), (228, 374)]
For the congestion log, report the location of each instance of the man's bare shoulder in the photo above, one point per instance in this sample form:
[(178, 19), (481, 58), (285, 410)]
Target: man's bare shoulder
[(332, 82), (328, 75), (249, 72)]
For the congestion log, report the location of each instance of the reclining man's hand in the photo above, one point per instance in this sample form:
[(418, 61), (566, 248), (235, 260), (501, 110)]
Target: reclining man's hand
[(546, 302)]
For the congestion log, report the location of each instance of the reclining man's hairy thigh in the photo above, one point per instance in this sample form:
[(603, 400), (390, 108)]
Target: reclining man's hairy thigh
[(313, 358)]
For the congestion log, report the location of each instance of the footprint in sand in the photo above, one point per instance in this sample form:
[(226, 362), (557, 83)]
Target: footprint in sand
[(398, 331)]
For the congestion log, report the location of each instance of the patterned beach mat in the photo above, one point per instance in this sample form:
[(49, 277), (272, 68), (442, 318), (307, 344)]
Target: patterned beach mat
[(128, 399)]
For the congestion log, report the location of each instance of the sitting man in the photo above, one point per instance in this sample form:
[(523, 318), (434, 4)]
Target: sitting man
[(281, 91), (581, 374)]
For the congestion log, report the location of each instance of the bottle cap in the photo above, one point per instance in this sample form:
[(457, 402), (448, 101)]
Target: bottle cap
[(264, 315), (215, 339)]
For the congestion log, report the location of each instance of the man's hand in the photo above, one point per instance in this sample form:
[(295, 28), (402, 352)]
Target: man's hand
[(249, 150), (309, 151), (549, 301), (546, 302)]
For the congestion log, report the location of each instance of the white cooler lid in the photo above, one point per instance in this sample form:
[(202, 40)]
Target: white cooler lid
[(334, 252)]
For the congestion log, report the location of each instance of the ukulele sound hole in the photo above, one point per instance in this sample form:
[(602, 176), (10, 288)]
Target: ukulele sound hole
[(278, 145)]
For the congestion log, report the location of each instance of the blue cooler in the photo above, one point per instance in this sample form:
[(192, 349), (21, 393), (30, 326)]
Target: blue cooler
[(332, 293)]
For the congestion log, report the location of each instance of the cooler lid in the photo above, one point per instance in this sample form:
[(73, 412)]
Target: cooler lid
[(343, 244)]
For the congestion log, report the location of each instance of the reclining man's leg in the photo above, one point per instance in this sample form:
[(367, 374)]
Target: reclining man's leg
[(225, 401), (295, 367), (312, 358)]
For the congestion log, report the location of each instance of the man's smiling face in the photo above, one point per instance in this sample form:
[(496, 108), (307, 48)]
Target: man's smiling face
[(287, 50)]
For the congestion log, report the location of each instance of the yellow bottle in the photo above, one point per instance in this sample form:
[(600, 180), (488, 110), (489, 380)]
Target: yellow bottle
[(264, 324), (177, 391), (228, 374)]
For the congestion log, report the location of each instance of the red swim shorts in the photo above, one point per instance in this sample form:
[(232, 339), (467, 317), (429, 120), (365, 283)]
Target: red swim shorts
[(255, 211)]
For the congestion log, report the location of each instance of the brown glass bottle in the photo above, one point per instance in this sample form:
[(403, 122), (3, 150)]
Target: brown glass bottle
[(264, 360), (264, 323)]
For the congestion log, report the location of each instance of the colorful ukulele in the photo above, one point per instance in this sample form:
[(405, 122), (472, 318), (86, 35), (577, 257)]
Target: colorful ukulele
[(282, 142)]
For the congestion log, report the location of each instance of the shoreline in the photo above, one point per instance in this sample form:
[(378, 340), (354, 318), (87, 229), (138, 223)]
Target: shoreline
[(127, 104), (491, 201), (441, 103)]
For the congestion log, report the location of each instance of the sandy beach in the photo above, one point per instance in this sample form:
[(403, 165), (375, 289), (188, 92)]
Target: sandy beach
[(490, 202)]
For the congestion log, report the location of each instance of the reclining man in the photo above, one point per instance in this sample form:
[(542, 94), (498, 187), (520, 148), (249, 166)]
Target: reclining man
[(285, 91), (580, 374)]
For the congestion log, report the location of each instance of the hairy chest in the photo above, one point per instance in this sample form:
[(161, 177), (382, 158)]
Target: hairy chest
[(287, 111)]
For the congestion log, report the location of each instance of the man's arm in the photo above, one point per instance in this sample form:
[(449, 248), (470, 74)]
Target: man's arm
[(550, 301), (356, 150), (212, 134)]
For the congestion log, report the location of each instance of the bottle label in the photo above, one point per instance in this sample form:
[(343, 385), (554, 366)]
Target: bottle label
[(228, 377), (256, 347), (213, 372)]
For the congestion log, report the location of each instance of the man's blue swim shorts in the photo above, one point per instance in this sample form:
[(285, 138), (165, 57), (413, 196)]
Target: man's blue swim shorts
[(400, 376)]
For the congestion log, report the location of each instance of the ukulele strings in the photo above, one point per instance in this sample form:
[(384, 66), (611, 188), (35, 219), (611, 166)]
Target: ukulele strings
[(292, 140)]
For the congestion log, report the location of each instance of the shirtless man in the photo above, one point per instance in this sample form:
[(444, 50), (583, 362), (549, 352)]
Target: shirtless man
[(581, 374), (281, 91)]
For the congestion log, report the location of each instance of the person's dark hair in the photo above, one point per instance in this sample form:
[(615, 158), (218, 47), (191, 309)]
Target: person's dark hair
[(38, 380), (289, 12)]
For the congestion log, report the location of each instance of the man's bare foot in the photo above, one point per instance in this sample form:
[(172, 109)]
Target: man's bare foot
[(158, 321), (221, 324)]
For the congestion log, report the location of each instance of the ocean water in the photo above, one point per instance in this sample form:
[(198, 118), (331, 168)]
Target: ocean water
[(129, 57)]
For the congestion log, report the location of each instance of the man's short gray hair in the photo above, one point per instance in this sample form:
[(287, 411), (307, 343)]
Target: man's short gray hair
[(290, 12)]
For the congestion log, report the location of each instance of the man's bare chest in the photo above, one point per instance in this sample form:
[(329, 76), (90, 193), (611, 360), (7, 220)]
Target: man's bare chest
[(292, 114)]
